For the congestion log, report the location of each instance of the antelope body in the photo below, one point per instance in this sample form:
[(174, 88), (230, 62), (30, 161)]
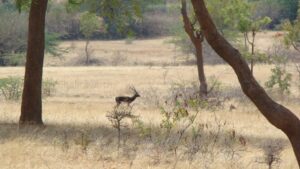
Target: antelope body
[(127, 99)]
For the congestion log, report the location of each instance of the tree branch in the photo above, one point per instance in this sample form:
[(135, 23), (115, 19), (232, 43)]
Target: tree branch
[(276, 114)]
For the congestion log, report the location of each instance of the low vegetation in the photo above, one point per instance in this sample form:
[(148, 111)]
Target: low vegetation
[(172, 133)]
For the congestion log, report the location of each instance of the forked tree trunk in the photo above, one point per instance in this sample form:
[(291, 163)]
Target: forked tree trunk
[(197, 38), (276, 114), (31, 109)]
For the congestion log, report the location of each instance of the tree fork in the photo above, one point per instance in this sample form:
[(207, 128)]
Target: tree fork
[(197, 38)]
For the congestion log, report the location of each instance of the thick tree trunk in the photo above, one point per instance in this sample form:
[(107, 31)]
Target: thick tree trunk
[(31, 109), (197, 39), (276, 114)]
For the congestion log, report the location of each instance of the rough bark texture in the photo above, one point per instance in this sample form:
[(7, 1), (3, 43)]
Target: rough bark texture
[(31, 109), (197, 39), (276, 114)]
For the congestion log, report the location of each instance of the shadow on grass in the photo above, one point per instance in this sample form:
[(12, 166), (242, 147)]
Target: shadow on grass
[(108, 135)]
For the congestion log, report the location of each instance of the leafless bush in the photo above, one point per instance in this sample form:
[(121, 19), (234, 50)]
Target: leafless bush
[(271, 154), (117, 117)]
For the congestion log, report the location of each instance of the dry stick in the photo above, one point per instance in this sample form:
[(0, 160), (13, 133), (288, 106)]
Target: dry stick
[(276, 114)]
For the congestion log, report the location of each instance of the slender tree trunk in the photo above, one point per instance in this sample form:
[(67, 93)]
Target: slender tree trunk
[(252, 52), (197, 38), (276, 114), (201, 74), (87, 61), (31, 109), (245, 42)]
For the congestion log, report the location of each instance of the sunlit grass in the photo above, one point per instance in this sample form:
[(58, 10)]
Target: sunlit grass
[(78, 134)]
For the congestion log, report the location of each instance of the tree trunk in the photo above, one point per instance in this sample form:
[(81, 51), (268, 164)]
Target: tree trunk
[(245, 42), (276, 114), (252, 52), (87, 61), (197, 39), (201, 74), (31, 109)]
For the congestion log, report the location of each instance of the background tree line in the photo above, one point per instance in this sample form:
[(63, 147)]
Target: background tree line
[(148, 19)]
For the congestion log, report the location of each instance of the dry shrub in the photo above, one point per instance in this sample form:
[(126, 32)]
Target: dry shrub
[(272, 154), (117, 117)]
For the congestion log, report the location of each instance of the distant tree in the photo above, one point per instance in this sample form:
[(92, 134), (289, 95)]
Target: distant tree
[(89, 24), (227, 21), (120, 16), (251, 26), (239, 15), (276, 114), (227, 15)]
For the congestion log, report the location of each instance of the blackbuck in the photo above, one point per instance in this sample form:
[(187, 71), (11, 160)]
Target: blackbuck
[(127, 99)]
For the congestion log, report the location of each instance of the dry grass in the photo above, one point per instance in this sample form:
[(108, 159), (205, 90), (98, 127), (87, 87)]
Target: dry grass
[(84, 95), (149, 52), (78, 134)]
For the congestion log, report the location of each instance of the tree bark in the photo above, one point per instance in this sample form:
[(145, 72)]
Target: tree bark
[(31, 109), (276, 114), (201, 74), (87, 61), (252, 52), (197, 38)]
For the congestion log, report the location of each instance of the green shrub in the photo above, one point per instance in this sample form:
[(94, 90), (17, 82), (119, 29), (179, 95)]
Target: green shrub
[(281, 78), (11, 88)]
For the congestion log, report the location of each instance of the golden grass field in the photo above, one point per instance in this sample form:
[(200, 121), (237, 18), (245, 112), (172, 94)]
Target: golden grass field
[(77, 134)]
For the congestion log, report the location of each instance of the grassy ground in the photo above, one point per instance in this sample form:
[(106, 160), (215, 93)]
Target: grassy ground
[(149, 52), (78, 134)]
